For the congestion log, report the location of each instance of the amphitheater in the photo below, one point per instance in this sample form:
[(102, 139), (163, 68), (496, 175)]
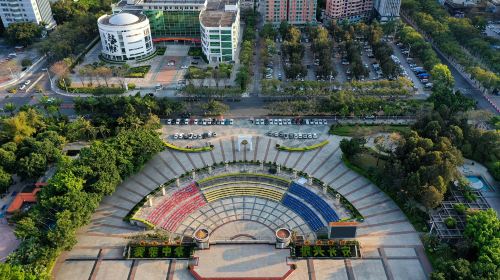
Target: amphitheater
[(241, 196)]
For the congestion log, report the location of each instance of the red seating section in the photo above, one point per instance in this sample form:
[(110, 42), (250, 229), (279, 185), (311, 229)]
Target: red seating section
[(183, 211), (179, 197)]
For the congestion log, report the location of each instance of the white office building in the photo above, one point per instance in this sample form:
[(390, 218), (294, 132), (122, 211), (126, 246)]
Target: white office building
[(36, 11), (125, 36), (220, 30), (387, 9)]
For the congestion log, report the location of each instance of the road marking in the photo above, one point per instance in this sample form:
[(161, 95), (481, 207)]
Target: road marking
[(34, 83)]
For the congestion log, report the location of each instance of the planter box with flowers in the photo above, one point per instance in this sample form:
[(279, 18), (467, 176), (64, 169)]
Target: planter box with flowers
[(326, 249), (159, 250)]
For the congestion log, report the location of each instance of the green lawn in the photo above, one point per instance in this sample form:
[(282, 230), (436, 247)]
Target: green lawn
[(366, 130)]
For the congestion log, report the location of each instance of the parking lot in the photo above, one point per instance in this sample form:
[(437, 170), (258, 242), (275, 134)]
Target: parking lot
[(408, 66), (294, 132)]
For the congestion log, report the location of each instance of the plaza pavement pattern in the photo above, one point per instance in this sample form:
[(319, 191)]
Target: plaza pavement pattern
[(391, 247)]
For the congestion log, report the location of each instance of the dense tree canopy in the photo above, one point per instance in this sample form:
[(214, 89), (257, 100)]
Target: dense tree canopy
[(23, 33)]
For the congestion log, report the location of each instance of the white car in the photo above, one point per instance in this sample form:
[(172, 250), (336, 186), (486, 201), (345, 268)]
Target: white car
[(176, 136), (310, 136), (169, 121), (315, 136), (178, 121), (27, 82), (195, 122), (181, 135), (184, 67), (280, 122), (299, 136), (22, 87), (231, 121)]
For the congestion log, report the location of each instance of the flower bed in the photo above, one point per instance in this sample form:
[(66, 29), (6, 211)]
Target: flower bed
[(155, 250), (302, 149), (138, 72), (189, 150)]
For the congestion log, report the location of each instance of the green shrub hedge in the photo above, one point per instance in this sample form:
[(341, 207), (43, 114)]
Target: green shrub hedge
[(160, 51), (302, 149), (189, 150), (138, 72)]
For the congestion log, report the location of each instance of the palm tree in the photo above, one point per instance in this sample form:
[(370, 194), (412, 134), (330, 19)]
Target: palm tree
[(10, 107)]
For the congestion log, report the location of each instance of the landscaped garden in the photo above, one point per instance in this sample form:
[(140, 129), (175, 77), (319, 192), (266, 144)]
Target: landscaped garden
[(358, 130), (138, 72), (302, 149)]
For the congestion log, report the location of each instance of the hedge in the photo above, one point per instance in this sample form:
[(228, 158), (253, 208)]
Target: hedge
[(138, 72), (148, 224), (303, 149), (189, 150)]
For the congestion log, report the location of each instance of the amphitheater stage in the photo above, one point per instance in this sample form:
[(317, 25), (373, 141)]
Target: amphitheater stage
[(243, 262)]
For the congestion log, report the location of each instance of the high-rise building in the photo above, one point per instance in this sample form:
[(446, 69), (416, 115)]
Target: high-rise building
[(292, 11), (220, 29), (387, 9), (36, 11), (350, 10)]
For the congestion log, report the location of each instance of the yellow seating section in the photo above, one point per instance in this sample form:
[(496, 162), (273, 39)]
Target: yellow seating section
[(242, 189)]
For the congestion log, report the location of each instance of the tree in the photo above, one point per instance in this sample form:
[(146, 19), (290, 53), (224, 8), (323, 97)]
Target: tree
[(431, 197), (10, 107), (15, 272), (32, 166), (215, 108), (442, 78), (352, 147), (22, 33), (18, 127), (482, 227), (9, 68), (66, 10), (5, 180), (105, 73), (7, 160)]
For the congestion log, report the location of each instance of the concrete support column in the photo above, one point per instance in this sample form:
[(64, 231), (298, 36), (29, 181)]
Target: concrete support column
[(150, 201)]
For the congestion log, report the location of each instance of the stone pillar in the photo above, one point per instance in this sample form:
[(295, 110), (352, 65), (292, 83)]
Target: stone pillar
[(193, 174), (178, 182), (310, 180), (325, 189), (278, 169), (262, 166), (150, 201), (210, 170), (337, 199), (294, 174), (163, 190)]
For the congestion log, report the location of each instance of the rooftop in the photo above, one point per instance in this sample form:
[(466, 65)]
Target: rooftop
[(121, 19), (215, 14)]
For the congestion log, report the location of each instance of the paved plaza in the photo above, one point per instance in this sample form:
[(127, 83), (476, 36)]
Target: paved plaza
[(390, 246)]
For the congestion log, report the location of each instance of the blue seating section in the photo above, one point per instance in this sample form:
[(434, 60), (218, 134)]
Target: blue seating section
[(317, 202), (303, 211)]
